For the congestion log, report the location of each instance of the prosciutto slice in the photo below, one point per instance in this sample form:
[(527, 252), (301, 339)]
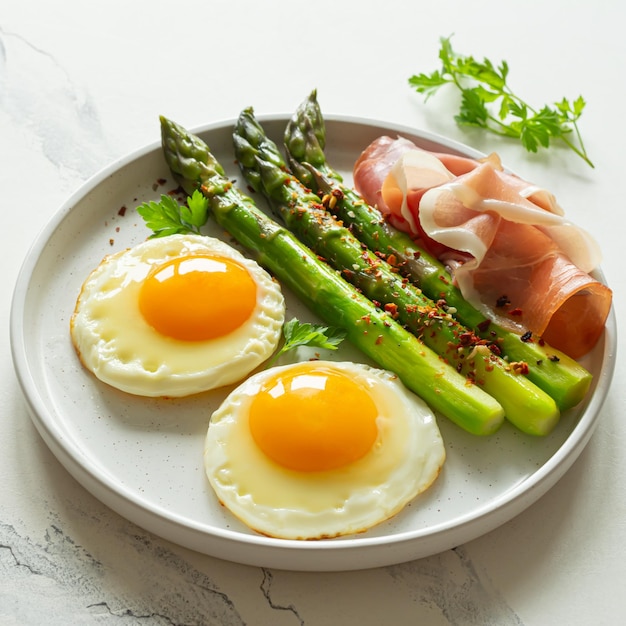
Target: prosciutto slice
[(512, 253)]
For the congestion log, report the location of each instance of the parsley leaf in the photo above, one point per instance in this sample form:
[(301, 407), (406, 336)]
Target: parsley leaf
[(298, 334), (168, 217), (488, 102)]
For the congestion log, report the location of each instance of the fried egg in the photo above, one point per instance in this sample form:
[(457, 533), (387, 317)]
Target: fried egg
[(321, 449), (175, 316)]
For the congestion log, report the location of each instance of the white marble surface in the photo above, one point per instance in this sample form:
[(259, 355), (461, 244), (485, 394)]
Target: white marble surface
[(81, 85)]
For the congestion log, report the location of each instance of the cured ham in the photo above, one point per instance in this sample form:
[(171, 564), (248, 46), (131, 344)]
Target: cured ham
[(512, 253)]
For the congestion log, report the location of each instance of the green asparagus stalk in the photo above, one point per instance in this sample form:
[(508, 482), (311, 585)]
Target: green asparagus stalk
[(563, 378), (324, 291), (525, 405)]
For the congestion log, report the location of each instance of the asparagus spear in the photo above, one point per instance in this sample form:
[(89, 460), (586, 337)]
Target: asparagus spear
[(557, 374), (525, 405), (324, 291)]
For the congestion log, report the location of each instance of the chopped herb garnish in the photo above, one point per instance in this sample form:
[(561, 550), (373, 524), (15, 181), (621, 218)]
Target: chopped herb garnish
[(298, 334), (168, 217)]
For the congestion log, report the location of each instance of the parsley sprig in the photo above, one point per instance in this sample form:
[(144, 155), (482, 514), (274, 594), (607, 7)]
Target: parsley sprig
[(488, 102), (169, 217), (298, 333)]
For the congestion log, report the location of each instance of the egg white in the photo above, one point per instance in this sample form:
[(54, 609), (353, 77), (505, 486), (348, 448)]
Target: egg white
[(114, 341), (404, 461)]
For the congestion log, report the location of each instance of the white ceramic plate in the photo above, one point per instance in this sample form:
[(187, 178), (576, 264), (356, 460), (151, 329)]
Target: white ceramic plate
[(143, 458)]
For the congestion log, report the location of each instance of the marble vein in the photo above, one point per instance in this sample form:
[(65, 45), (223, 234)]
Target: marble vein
[(63, 573), (52, 109), (450, 583), (266, 589)]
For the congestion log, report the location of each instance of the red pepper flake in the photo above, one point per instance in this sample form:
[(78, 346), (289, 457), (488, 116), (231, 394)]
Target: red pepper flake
[(495, 349), (367, 319), (379, 340), (122, 211), (466, 339), (392, 309), (392, 259), (484, 325), (517, 312)]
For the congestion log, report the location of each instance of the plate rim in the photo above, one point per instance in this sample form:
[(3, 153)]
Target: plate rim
[(279, 552)]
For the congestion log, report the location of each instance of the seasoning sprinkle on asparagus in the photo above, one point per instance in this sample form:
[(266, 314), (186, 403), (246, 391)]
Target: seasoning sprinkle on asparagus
[(565, 380), (525, 405), (324, 291)]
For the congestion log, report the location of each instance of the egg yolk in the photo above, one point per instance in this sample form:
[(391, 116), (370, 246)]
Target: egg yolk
[(197, 297), (313, 419)]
